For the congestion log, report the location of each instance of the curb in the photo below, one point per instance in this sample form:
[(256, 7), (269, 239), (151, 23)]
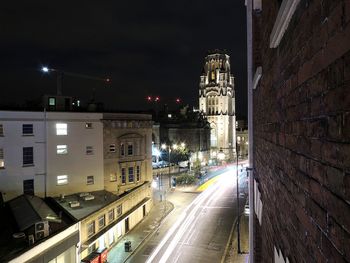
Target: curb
[(151, 232)]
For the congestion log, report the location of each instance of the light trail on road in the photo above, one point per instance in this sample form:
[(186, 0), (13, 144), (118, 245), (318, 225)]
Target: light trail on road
[(183, 228)]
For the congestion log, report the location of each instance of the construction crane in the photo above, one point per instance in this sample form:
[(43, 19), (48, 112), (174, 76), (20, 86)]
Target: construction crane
[(60, 74)]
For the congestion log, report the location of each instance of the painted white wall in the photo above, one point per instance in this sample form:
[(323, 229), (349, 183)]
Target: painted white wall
[(76, 164), (12, 143)]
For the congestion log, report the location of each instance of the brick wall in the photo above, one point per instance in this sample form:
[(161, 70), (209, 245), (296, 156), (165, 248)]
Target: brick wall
[(302, 133)]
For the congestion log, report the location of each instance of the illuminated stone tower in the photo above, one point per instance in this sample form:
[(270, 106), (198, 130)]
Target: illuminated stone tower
[(217, 101)]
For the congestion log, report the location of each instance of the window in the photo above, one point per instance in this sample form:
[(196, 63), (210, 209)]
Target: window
[(112, 177), (1, 130), (130, 149), (91, 228), (28, 158), (61, 128), (110, 215), (62, 149), (112, 148), (89, 150), (62, 179), (122, 149), (2, 162), (123, 176), (90, 180), (52, 101), (119, 210), (101, 222), (92, 247), (131, 174), (138, 173), (88, 125), (27, 129)]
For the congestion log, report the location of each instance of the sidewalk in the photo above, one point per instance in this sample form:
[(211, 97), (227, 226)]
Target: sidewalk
[(140, 232), (232, 252)]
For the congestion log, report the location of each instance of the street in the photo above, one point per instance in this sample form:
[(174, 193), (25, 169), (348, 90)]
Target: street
[(199, 227)]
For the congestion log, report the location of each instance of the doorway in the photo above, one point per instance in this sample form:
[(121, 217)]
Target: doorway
[(144, 210)]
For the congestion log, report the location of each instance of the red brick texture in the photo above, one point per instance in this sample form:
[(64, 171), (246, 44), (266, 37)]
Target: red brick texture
[(302, 133)]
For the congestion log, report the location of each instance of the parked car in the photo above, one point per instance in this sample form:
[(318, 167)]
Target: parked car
[(163, 164), (155, 165)]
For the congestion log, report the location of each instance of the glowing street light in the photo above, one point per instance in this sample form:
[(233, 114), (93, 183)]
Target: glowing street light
[(45, 69), (221, 155)]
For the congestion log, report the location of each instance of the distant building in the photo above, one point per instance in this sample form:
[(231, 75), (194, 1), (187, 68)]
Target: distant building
[(127, 140), (301, 54), (242, 138), (217, 102), (184, 126)]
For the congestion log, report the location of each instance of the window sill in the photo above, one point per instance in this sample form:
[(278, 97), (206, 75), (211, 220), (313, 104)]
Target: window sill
[(27, 135), (28, 165)]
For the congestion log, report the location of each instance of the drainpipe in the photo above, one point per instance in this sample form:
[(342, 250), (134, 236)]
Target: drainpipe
[(249, 6), (45, 151)]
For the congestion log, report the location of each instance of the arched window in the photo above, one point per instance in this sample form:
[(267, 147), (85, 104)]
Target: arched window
[(213, 135)]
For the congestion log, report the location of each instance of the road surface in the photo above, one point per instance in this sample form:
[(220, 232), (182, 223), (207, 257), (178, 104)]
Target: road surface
[(199, 227)]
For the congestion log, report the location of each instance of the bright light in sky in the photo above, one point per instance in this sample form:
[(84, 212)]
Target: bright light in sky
[(45, 69)]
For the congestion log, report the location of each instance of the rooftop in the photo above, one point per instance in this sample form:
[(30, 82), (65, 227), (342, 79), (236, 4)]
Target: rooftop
[(100, 199), (21, 215)]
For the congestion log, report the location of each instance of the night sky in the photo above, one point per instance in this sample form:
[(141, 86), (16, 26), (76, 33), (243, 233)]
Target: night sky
[(145, 47)]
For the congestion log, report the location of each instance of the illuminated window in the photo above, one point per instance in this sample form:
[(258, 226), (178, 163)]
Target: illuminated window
[(101, 222), (123, 176), (90, 179), (52, 101), (62, 179), (112, 148), (91, 228), (2, 161), (27, 129), (28, 156), (88, 125), (61, 149), (131, 174), (89, 150), (61, 128), (138, 173), (112, 177)]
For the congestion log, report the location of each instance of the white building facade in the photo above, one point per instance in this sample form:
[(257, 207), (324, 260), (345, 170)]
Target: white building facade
[(217, 101), (50, 153)]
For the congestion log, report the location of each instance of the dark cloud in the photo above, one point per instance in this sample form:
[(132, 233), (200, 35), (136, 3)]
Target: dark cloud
[(153, 47)]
